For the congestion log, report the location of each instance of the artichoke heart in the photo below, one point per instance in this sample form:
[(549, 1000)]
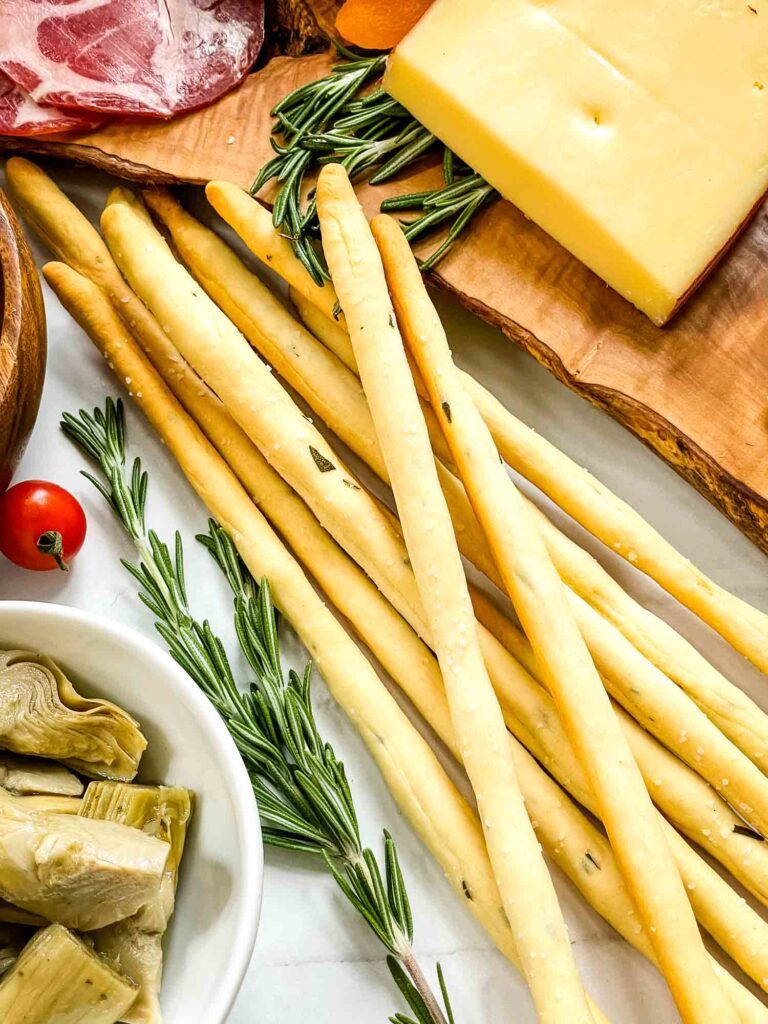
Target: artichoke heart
[(134, 945), (57, 978), (42, 713), (34, 776), (50, 804), (15, 915), (82, 873)]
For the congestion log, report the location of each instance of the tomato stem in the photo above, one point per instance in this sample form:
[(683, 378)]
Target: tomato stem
[(49, 543)]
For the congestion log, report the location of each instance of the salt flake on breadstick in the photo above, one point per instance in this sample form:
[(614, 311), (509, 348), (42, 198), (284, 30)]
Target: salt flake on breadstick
[(526, 888), (542, 605)]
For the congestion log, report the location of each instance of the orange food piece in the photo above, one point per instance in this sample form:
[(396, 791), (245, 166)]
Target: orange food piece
[(378, 24)]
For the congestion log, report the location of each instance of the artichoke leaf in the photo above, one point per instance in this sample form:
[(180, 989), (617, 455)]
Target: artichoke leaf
[(41, 713), (134, 945), (15, 915), (34, 776), (57, 977), (80, 872)]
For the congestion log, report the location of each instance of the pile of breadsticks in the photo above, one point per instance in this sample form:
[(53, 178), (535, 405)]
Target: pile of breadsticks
[(591, 703)]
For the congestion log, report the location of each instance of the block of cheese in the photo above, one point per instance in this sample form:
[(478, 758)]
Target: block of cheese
[(635, 132)]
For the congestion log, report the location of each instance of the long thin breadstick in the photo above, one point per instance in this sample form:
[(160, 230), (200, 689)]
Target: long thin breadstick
[(736, 715), (254, 225), (418, 783), (219, 353), (529, 897), (569, 485), (332, 335), (541, 602)]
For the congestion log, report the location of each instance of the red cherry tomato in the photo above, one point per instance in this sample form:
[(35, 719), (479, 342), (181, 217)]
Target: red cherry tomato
[(42, 526)]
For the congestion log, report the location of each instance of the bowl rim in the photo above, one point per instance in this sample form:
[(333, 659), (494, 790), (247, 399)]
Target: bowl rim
[(243, 938)]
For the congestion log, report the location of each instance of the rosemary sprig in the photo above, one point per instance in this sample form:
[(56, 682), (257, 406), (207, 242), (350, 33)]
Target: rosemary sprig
[(305, 801), (334, 119)]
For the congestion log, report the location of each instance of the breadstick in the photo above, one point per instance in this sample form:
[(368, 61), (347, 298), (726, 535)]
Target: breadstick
[(671, 716), (592, 504), (254, 225), (524, 883), (738, 717), (542, 605), (327, 331), (426, 796), (223, 358), (570, 836)]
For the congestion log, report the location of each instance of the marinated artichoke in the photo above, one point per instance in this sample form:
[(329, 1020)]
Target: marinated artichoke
[(15, 915), (42, 713), (50, 804), (33, 776), (57, 978), (74, 870), (134, 945)]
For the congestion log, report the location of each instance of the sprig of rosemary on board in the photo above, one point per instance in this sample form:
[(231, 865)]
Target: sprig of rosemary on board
[(305, 801), (345, 118)]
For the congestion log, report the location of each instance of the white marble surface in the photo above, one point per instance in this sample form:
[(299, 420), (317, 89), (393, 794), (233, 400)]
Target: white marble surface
[(313, 957)]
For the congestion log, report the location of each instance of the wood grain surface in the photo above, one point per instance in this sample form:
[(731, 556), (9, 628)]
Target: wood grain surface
[(22, 342), (696, 391)]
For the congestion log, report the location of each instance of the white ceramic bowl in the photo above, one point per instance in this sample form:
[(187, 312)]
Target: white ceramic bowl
[(213, 930)]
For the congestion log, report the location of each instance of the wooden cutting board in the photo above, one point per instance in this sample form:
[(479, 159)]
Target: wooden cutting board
[(696, 391)]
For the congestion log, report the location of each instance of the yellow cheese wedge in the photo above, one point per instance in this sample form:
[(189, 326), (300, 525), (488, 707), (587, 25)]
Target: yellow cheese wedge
[(635, 132)]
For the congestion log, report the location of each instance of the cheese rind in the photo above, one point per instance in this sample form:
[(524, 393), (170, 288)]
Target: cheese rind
[(635, 133)]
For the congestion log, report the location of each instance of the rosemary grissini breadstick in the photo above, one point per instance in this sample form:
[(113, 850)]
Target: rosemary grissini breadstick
[(670, 715), (418, 783), (325, 330), (541, 602), (219, 353), (526, 888), (248, 218)]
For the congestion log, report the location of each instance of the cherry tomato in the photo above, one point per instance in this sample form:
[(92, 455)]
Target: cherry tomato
[(42, 526)]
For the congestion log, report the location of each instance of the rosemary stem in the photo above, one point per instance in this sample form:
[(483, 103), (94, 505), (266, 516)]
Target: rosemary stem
[(412, 966)]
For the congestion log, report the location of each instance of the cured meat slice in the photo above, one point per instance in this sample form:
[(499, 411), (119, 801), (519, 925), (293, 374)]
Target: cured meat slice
[(148, 57), (20, 115)]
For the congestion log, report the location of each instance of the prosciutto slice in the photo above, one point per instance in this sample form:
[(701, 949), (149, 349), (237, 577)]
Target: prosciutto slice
[(147, 57), (20, 115)]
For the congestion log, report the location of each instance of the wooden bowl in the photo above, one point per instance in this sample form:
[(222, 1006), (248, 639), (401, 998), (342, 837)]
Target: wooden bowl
[(22, 342)]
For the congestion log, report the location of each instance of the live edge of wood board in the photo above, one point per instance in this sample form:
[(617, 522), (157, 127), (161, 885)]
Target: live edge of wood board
[(22, 342), (695, 391)]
